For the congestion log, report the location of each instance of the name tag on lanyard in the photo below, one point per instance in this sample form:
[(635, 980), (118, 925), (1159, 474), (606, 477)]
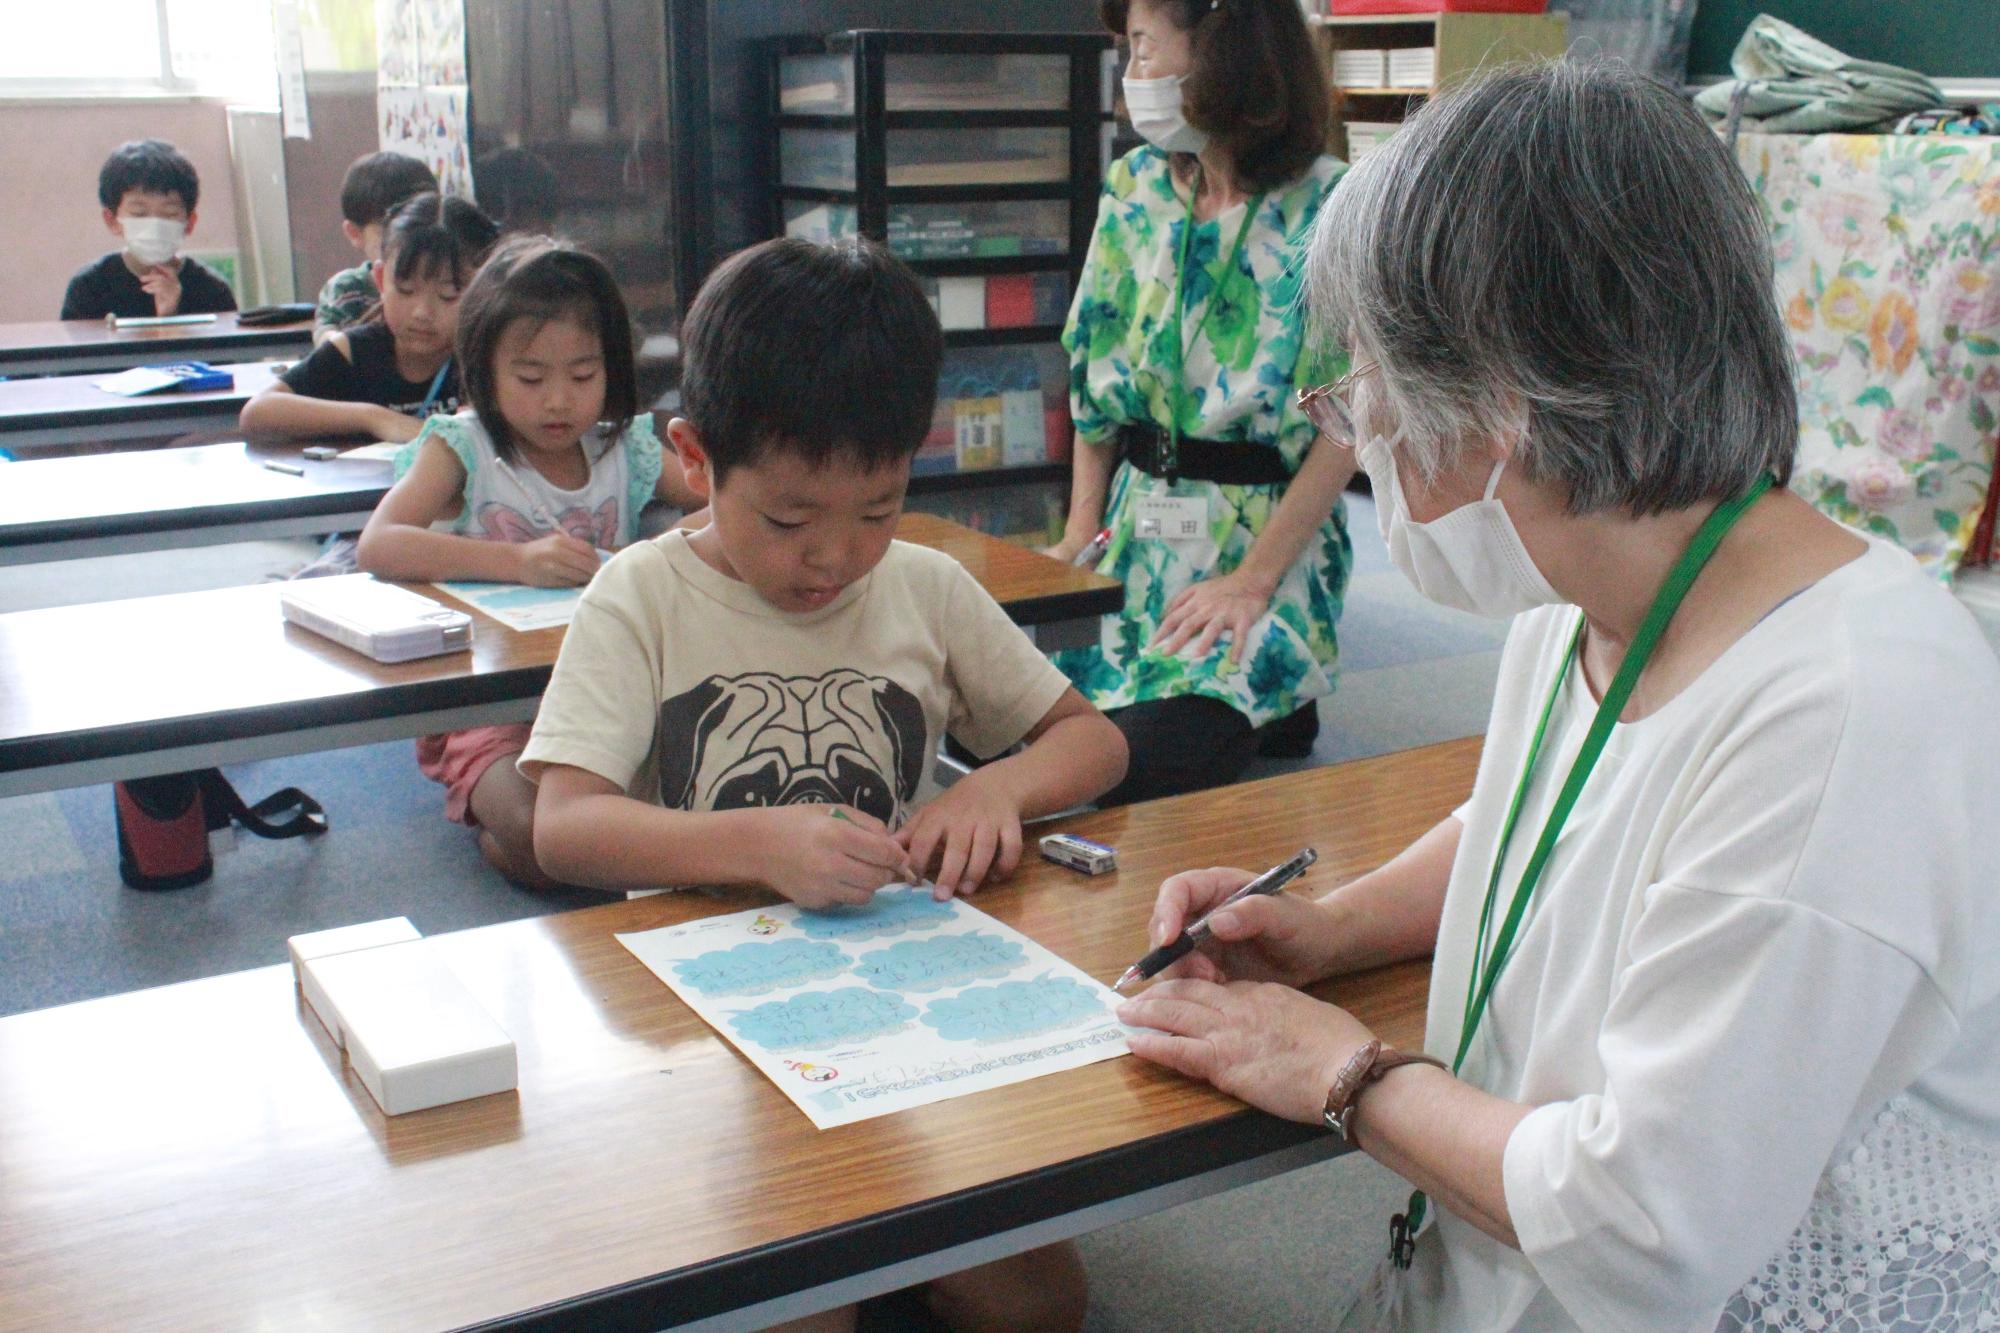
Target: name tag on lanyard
[(1171, 518)]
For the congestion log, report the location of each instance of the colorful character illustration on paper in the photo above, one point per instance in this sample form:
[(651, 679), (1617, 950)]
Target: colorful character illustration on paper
[(504, 523), (813, 1073), (759, 739), (764, 925)]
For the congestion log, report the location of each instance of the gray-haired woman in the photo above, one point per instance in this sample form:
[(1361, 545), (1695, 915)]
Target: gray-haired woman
[(1714, 1030)]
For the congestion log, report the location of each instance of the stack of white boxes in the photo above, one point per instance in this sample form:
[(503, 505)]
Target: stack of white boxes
[(1361, 69), (413, 1033), (1413, 67)]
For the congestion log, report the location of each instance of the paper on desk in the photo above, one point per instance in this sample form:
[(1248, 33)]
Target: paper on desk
[(857, 1012), (138, 380), (518, 606)]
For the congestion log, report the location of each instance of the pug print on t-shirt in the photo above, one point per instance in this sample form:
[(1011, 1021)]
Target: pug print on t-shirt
[(759, 739)]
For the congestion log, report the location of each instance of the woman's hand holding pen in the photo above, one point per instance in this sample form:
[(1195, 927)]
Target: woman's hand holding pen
[(1278, 937)]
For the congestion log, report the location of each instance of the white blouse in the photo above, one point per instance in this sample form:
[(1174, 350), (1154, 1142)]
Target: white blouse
[(1756, 1001)]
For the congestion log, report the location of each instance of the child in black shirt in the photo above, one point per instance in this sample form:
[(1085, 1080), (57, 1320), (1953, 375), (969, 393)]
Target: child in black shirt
[(149, 191), (383, 377)]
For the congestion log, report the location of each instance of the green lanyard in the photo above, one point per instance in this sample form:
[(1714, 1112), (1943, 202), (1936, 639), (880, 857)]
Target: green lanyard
[(1178, 397), (1488, 964)]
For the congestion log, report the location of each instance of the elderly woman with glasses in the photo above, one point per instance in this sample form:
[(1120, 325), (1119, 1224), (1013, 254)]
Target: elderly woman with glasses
[(1714, 1024), (1219, 502)]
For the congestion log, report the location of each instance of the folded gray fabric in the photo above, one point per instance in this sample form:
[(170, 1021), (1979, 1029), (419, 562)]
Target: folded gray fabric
[(1788, 82)]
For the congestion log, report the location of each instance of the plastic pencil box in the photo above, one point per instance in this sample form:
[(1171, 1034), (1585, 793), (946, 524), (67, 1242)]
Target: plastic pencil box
[(199, 377), (377, 620)]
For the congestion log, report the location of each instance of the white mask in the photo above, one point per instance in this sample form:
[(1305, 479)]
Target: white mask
[(1155, 108), (153, 240), (1470, 559)]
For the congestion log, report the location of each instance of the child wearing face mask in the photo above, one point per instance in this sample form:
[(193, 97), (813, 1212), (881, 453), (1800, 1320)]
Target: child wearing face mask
[(383, 377), (149, 192), (543, 476)]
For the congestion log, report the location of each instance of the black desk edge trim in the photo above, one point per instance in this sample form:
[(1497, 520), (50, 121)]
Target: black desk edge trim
[(277, 337), (833, 1253), (386, 702), (139, 522), (158, 407), (376, 704)]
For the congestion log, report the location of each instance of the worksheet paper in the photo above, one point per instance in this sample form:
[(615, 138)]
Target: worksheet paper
[(517, 605), (857, 1012)]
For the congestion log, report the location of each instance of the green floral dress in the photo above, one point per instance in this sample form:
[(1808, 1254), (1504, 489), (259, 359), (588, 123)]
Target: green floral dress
[(1241, 369)]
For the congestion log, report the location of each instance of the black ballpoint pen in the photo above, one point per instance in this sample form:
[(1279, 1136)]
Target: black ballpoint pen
[(1192, 937)]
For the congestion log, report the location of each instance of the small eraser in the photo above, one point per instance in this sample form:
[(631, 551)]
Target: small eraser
[(415, 1035), (341, 939), (1067, 849)]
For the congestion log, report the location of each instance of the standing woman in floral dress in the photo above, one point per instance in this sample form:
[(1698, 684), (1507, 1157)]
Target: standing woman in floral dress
[(1186, 343)]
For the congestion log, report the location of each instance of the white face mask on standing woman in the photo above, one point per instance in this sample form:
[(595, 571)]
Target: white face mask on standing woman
[(1470, 559), (1155, 108), (153, 241)]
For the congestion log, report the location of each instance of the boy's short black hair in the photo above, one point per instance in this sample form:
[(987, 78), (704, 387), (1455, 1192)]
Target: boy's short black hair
[(823, 351), (152, 165), (539, 279), (434, 235), (380, 182)]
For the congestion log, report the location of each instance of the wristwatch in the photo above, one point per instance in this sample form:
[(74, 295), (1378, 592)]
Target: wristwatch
[(1366, 1065)]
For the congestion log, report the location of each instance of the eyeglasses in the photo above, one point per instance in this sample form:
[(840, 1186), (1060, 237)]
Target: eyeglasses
[(1330, 407)]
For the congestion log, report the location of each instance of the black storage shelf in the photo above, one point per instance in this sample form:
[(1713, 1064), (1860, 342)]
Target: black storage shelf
[(970, 119), (872, 197), (1021, 474), (930, 194), (980, 266), (1021, 335)]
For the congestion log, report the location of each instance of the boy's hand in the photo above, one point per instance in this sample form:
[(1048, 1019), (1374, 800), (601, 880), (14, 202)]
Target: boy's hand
[(830, 855), (392, 427), (972, 829), (557, 561), (163, 284)]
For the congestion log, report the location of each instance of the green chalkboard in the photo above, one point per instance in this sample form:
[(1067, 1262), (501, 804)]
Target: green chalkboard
[(1953, 39)]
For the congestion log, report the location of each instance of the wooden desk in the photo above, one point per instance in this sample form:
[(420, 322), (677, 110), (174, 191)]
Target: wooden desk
[(78, 346), (148, 500), (64, 411), (113, 690), (196, 1156)]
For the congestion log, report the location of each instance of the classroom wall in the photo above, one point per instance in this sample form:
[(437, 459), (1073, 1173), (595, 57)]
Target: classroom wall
[(1952, 39), (50, 153)]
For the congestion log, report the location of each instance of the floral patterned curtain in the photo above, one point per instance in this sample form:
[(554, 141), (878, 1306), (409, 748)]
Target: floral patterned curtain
[(1888, 273)]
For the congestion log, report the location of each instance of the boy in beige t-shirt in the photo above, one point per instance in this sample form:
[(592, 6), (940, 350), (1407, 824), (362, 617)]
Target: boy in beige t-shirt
[(759, 700)]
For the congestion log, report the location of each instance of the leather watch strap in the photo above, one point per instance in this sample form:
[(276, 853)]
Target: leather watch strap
[(1364, 1067)]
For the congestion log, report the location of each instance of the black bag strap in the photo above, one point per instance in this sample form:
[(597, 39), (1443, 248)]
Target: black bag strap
[(308, 816)]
